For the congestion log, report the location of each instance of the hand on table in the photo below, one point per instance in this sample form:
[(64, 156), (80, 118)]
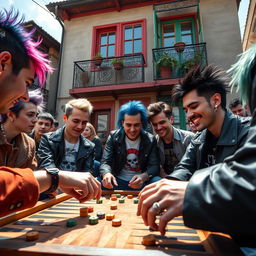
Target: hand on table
[(81, 185), (138, 180), (109, 180), (170, 196)]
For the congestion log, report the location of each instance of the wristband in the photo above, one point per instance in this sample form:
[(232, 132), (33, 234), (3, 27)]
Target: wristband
[(54, 172)]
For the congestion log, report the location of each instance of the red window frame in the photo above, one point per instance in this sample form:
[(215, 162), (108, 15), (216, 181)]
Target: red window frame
[(105, 31), (119, 28), (132, 38)]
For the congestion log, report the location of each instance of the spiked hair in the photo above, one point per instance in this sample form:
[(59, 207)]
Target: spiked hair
[(206, 81), (133, 108), (14, 39), (243, 76)]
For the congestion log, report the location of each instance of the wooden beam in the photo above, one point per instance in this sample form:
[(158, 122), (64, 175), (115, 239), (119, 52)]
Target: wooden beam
[(118, 7)]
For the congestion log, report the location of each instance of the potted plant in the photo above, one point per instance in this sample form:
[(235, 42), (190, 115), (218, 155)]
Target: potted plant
[(98, 59), (165, 65), (179, 46), (192, 62), (117, 63)]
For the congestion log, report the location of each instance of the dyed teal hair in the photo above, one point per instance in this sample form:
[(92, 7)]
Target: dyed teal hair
[(242, 73)]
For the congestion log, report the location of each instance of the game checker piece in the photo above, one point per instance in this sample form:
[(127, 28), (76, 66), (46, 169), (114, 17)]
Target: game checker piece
[(116, 222), (93, 220), (32, 235), (110, 216), (84, 212), (149, 240), (71, 223)]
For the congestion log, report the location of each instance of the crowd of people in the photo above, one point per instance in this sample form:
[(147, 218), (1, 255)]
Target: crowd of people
[(207, 175)]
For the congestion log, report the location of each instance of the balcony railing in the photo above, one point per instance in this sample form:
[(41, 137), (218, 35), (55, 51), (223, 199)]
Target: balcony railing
[(183, 58), (89, 73)]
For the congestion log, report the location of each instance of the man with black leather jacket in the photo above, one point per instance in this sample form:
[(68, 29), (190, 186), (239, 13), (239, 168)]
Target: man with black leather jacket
[(66, 148), (203, 92), (221, 197), (130, 158)]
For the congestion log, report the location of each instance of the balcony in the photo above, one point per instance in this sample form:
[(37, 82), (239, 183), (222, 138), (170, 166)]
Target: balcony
[(89, 73), (183, 58)]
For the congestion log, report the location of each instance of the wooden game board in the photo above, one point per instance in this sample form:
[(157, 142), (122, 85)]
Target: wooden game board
[(49, 218)]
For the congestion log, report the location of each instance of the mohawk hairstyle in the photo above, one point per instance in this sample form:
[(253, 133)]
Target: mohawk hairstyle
[(133, 108), (243, 73), (206, 81), (14, 39)]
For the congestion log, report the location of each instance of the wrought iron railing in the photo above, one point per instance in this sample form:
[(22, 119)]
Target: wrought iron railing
[(89, 73), (182, 57)]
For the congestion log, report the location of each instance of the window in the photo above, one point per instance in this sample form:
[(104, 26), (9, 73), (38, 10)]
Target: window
[(186, 32), (178, 31), (107, 44), (120, 39), (168, 35), (132, 39)]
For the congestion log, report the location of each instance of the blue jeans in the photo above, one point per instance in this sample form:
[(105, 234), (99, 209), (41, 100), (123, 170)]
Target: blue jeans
[(123, 184), (96, 167)]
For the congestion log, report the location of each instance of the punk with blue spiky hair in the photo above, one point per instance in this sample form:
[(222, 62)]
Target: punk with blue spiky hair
[(133, 108), (130, 159)]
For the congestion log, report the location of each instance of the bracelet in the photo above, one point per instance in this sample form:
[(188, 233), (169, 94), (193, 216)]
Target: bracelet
[(54, 172)]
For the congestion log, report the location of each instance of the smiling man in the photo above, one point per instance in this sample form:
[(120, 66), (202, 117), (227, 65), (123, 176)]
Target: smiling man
[(203, 92), (172, 142), (66, 148), (130, 159)]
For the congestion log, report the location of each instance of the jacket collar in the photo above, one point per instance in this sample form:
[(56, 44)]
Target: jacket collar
[(58, 136), (176, 135), (228, 135)]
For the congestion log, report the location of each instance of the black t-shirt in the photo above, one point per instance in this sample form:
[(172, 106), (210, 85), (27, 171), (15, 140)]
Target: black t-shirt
[(170, 158), (209, 154)]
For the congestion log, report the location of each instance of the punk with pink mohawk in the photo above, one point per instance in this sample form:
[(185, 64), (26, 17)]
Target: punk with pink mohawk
[(14, 39)]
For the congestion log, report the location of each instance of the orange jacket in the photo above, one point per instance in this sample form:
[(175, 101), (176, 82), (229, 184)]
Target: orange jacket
[(19, 189)]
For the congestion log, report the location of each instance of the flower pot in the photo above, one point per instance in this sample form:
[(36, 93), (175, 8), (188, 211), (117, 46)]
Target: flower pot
[(117, 66), (179, 46), (98, 61), (165, 72)]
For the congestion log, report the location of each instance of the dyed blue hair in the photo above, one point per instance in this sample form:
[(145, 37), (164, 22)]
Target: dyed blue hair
[(35, 97), (133, 108)]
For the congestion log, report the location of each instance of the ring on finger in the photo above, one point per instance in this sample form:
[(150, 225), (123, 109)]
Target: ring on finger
[(156, 207)]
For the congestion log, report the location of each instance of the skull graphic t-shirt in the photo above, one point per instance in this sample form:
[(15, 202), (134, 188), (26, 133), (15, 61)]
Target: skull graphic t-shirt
[(69, 159), (131, 167)]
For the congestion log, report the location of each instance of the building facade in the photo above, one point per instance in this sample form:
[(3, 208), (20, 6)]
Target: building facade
[(134, 41), (51, 47), (249, 36)]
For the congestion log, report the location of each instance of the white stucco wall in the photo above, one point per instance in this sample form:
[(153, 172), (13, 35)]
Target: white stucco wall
[(220, 28), (221, 31)]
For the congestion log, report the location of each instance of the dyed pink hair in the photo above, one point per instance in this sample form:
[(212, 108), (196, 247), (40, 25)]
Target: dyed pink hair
[(39, 59), (11, 23)]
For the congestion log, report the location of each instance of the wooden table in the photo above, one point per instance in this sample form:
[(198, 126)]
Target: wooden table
[(50, 217)]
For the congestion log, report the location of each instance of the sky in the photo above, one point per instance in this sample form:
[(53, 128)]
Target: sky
[(34, 12)]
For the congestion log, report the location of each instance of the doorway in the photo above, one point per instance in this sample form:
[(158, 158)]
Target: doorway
[(100, 119)]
